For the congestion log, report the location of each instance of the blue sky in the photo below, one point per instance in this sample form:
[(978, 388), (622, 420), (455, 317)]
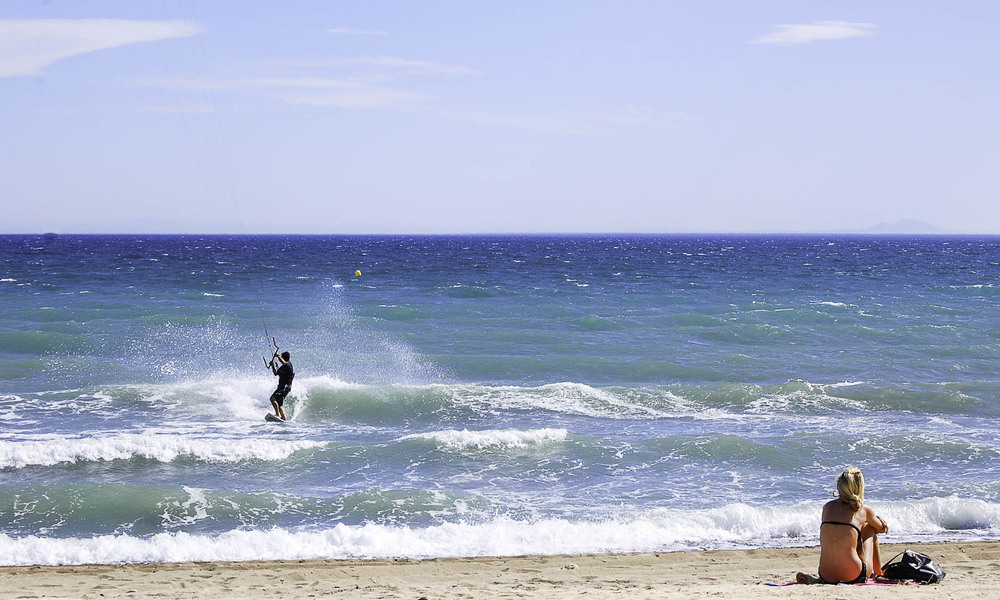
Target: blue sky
[(473, 117)]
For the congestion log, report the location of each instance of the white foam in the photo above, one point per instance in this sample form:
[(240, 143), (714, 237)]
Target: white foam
[(500, 537), (684, 407), (845, 384), (495, 438), (939, 515), (731, 526), (572, 398), (565, 397), (195, 509), (165, 448), (243, 397), (328, 382), (803, 394)]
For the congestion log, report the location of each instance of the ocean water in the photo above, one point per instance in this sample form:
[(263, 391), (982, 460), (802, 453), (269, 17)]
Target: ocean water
[(489, 395)]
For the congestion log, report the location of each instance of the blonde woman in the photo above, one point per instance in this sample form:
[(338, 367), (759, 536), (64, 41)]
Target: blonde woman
[(847, 536)]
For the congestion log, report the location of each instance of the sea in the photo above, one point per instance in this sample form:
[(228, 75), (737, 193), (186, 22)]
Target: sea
[(489, 395)]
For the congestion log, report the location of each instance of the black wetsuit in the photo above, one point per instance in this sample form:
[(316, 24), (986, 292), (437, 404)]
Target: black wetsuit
[(285, 376)]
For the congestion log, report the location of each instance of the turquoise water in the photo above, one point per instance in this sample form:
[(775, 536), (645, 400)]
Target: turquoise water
[(489, 395)]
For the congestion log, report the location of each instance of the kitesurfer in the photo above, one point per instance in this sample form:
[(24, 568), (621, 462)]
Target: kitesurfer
[(285, 374)]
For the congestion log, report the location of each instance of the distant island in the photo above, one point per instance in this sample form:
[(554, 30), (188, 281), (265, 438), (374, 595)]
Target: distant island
[(906, 226)]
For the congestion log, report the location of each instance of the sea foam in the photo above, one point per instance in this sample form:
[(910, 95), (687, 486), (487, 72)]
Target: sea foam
[(497, 438), (160, 447), (732, 526)]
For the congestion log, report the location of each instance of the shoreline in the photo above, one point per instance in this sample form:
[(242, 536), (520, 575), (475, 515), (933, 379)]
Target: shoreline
[(684, 574)]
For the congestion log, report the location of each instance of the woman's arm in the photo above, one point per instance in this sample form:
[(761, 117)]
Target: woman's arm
[(876, 522)]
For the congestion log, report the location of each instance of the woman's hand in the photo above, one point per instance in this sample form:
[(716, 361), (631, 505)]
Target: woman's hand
[(885, 526)]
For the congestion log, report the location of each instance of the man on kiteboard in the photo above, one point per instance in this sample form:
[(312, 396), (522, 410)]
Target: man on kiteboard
[(285, 374)]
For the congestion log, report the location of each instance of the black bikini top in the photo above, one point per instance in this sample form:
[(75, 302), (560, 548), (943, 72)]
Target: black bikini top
[(843, 523)]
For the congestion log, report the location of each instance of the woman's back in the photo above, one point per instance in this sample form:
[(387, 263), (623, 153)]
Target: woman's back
[(840, 542), (848, 544)]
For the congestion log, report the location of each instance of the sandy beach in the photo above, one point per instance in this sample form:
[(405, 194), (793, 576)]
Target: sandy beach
[(727, 574)]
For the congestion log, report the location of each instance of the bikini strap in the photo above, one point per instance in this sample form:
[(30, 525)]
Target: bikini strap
[(856, 528)]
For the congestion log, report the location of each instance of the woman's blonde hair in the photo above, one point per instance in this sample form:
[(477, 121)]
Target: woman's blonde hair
[(851, 488)]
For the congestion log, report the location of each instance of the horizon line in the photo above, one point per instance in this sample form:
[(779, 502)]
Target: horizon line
[(512, 233)]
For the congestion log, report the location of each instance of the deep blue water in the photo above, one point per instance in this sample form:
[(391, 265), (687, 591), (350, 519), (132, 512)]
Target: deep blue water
[(489, 395)]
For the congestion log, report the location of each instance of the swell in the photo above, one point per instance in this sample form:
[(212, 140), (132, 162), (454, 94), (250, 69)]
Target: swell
[(62, 510), (325, 398)]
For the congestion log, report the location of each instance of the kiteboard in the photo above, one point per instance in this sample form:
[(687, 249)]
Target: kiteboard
[(273, 418)]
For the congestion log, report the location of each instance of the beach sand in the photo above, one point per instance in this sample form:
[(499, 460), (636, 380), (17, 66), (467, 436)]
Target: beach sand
[(727, 574)]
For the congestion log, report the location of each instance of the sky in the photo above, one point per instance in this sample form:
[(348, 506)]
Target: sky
[(437, 117)]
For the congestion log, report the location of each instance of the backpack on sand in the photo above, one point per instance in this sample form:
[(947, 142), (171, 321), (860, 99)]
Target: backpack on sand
[(915, 566)]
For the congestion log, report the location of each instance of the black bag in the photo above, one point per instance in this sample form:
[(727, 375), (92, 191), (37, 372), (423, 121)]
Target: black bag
[(915, 566)]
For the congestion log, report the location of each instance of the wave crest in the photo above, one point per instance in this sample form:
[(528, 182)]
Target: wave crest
[(496, 438), (732, 526), (160, 447)]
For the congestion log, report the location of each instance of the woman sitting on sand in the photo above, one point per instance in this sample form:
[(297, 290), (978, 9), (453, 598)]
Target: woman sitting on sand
[(847, 537)]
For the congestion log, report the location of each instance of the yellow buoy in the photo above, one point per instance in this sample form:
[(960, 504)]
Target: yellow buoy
[(357, 273)]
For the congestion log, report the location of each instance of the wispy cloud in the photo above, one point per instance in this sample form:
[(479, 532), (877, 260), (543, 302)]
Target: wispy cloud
[(332, 93), (792, 35), (539, 124), (28, 47), (347, 31), (187, 109), (594, 123), (358, 97), (338, 93), (409, 66), (309, 91)]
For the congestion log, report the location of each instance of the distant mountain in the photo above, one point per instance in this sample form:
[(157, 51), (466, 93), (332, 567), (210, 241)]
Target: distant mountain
[(906, 226)]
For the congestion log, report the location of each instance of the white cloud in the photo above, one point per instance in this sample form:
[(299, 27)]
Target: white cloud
[(361, 97), (539, 124), (27, 47), (338, 93), (309, 91), (791, 35), (187, 109), (333, 93), (596, 123), (346, 31), (322, 92), (192, 85), (413, 67)]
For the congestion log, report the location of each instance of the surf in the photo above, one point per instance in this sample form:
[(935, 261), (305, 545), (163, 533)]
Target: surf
[(733, 526)]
